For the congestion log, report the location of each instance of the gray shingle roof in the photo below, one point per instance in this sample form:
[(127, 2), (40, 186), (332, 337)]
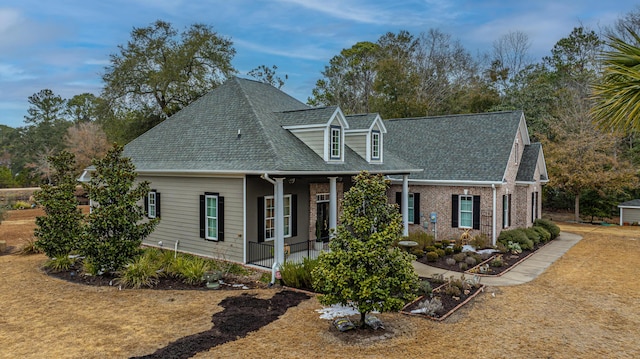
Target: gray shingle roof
[(632, 203), (528, 162), (309, 116), (474, 147), (361, 121), (204, 137)]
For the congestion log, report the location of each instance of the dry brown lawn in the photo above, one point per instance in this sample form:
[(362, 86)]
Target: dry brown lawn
[(584, 306)]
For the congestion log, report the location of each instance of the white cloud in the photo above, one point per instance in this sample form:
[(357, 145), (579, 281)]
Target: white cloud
[(11, 73), (307, 52)]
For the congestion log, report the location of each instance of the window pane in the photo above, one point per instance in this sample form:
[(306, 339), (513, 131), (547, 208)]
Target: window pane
[(212, 206), (212, 228), (465, 219)]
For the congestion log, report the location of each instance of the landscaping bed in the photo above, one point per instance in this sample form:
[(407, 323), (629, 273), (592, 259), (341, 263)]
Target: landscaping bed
[(444, 298)]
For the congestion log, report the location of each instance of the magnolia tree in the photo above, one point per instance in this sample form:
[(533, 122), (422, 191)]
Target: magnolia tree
[(115, 227), (363, 270)]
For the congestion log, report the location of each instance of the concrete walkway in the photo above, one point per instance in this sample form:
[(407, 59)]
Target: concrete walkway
[(524, 272)]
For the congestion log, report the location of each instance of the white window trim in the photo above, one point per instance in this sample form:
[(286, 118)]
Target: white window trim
[(151, 204), (287, 218), (207, 217), (460, 199), (333, 130), (376, 144)]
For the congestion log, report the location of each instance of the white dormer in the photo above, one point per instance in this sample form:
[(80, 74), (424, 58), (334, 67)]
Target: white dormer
[(366, 136), (322, 129)]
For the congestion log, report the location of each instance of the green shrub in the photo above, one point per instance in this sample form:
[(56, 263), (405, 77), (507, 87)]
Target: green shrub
[(417, 252), (551, 227), (446, 243), (457, 248), (497, 261), (432, 256), (430, 248), (514, 247), (298, 275), (532, 234), (501, 247), (459, 257), (545, 236), (448, 251), (463, 266), (30, 247), (471, 261), (440, 252), (517, 235), (142, 272), (450, 261)]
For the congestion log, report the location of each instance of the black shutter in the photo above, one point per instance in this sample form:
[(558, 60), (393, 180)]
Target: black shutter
[(505, 220), (416, 208), (146, 206), (157, 205), (294, 215), (399, 200), (509, 224), (202, 216), (476, 212), (454, 211), (220, 218), (260, 219)]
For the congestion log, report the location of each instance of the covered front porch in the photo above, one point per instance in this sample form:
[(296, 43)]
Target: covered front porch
[(293, 217)]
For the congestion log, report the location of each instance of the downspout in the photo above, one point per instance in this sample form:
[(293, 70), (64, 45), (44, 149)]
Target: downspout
[(276, 266), (493, 230), (175, 249)]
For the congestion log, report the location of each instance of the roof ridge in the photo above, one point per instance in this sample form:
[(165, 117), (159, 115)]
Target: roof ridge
[(453, 115), (307, 109), (258, 118)]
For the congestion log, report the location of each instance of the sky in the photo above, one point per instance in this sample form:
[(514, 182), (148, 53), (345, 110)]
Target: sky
[(64, 45)]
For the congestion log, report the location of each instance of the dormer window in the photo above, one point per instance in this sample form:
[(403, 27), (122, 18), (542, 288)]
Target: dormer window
[(336, 143), (375, 145)]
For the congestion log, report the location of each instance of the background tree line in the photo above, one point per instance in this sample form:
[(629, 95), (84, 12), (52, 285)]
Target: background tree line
[(160, 70)]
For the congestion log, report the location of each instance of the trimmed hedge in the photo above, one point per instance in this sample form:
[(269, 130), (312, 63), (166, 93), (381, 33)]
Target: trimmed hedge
[(551, 227)]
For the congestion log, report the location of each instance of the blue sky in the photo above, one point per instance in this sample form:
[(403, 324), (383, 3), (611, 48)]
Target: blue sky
[(64, 45)]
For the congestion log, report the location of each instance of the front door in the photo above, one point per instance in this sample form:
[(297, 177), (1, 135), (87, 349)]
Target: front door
[(322, 221)]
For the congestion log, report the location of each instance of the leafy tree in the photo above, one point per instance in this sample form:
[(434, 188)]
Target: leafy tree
[(164, 71), (348, 79), (268, 75), (58, 231), (115, 229), (617, 97), (362, 269), (6, 178), (82, 108)]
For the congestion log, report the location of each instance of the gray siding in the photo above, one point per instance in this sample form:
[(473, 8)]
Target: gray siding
[(630, 215), (313, 139), (180, 215), (358, 143)]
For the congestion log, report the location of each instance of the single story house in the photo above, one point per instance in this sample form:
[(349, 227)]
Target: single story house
[(630, 212), (247, 170)]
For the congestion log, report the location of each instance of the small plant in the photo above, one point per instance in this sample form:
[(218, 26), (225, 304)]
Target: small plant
[(298, 275), (514, 248), (429, 307), (30, 247), (430, 249), (21, 205), (142, 272), (452, 290), (457, 248), (459, 257), (481, 241), (463, 266), (501, 247), (448, 251), (192, 269), (445, 243), (440, 252), (424, 288), (59, 264), (470, 261), (450, 261), (438, 278), (432, 256), (497, 261), (417, 252)]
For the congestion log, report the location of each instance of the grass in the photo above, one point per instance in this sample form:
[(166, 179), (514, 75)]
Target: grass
[(582, 306)]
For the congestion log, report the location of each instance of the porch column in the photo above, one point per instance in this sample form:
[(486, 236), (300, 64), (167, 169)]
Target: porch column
[(278, 199), (405, 205), (333, 205)]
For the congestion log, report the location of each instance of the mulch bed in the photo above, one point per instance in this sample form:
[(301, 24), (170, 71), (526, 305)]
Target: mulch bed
[(241, 315), (449, 303), (509, 260)]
